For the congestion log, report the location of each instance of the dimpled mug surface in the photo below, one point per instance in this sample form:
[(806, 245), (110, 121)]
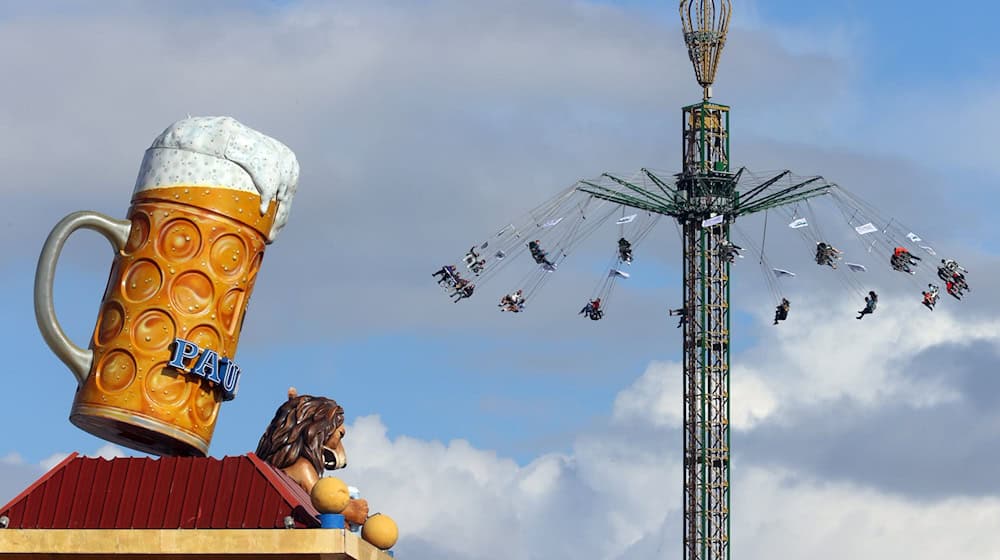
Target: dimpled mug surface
[(186, 272), (211, 194)]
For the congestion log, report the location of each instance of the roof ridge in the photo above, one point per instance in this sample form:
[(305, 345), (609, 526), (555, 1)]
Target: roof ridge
[(287, 488)]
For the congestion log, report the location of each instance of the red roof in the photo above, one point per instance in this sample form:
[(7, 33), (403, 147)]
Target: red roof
[(166, 493)]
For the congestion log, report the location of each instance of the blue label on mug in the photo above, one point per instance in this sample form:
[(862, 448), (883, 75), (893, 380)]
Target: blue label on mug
[(188, 357)]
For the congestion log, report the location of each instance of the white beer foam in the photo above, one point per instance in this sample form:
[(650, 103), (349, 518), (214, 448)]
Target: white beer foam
[(221, 152)]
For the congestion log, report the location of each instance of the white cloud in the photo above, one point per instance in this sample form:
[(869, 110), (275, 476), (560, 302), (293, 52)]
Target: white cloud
[(474, 503), (780, 514), (818, 356), (655, 397), (837, 357), (616, 493), (52, 460), (614, 498)]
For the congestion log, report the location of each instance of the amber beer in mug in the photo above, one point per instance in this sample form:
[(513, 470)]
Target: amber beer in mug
[(185, 264)]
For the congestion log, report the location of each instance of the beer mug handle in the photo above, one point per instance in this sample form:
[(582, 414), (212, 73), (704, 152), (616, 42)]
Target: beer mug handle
[(116, 231)]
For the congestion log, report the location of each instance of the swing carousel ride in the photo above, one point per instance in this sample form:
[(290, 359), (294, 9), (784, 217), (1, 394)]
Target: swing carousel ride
[(705, 199)]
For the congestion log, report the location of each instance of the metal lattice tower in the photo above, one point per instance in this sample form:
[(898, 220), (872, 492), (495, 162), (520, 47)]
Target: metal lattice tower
[(710, 188), (706, 198)]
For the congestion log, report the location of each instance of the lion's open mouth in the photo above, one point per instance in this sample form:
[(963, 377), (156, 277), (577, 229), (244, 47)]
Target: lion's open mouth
[(333, 460)]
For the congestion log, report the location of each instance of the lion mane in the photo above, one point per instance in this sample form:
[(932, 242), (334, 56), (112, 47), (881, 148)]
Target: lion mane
[(299, 428)]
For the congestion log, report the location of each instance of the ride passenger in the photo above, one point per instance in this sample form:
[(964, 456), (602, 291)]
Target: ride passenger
[(730, 251), (781, 311), (931, 296), (513, 302), (681, 313), (953, 266), (949, 275), (463, 290), (593, 310), (538, 254), (448, 275), (900, 263), (871, 301), (905, 255), (827, 254), (625, 250)]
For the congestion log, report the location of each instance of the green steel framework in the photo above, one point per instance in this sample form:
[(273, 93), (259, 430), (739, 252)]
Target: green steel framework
[(705, 200), (710, 190)]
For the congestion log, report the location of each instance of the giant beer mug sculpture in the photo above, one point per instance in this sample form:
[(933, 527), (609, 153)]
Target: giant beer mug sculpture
[(210, 195)]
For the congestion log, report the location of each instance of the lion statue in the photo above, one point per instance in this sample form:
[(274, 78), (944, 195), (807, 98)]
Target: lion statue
[(304, 439)]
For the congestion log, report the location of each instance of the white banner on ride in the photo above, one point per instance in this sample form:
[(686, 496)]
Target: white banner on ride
[(913, 237), (867, 228), (616, 272), (782, 272), (625, 220), (714, 220), (928, 249), (857, 267), (799, 223), (551, 223)]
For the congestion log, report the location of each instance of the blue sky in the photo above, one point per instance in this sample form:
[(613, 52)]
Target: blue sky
[(420, 127)]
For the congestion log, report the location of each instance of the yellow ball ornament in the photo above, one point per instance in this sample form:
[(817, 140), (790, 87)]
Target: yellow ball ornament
[(381, 531), (330, 495)]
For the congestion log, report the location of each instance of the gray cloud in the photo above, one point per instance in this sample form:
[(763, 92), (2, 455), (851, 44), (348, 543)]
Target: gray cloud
[(932, 451)]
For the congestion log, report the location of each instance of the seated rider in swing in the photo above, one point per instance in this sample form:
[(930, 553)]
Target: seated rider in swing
[(513, 302), (473, 261), (902, 259), (950, 271), (930, 296), (827, 254), (625, 250), (680, 313), (538, 254), (593, 310), (953, 266), (781, 311), (448, 275), (463, 290), (730, 251), (901, 264), (871, 301)]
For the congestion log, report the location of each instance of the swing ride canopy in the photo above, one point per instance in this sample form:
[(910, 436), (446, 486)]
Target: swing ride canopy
[(634, 203)]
